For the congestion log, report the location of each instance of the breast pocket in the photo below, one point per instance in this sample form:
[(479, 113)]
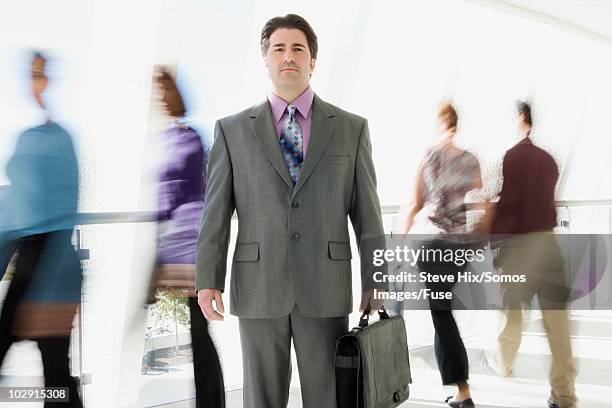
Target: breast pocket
[(336, 160)]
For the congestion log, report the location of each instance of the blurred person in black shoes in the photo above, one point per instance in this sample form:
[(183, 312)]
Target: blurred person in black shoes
[(523, 222), (446, 174), (37, 218), (181, 191)]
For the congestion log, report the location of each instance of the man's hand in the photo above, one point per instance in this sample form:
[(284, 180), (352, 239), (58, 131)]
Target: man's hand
[(205, 300), (367, 296)]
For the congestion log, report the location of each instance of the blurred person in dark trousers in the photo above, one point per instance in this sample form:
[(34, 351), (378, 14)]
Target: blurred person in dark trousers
[(446, 174), (181, 190), (525, 215), (37, 219)]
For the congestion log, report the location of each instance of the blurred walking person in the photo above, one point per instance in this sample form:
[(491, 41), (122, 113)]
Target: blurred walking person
[(182, 185), (37, 219), (526, 213), (444, 177)]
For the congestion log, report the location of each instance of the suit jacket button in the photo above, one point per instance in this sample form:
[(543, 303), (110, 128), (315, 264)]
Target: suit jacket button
[(295, 204), (296, 237)]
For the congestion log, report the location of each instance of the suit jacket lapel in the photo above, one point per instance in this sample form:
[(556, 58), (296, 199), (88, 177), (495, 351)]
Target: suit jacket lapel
[(321, 132), (265, 133)]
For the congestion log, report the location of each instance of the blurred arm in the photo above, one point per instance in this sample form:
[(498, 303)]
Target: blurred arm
[(213, 240)]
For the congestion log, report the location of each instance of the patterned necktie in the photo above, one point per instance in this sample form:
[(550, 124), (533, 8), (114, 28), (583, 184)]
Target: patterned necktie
[(291, 143)]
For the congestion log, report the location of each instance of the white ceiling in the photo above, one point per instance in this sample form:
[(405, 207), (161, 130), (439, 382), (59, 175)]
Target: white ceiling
[(590, 18)]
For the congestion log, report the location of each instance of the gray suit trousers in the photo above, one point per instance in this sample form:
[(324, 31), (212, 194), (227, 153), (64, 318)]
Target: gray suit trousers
[(266, 359)]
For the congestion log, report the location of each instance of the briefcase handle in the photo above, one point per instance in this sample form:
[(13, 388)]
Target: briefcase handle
[(365, 317)]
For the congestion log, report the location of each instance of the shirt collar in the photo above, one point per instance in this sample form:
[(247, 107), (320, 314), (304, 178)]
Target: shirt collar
[(303, 103)]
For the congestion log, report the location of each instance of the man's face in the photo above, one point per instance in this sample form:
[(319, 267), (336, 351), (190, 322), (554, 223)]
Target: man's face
[(39, 78), (522, 124), (288, 59)]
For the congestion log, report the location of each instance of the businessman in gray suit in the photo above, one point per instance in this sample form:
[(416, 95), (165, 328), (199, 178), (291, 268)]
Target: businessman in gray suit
[(294, 168)]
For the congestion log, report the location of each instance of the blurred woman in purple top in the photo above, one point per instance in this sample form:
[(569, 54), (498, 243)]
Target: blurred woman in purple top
[(182, 183)]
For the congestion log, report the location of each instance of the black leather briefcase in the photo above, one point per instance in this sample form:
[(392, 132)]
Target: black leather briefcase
[(372, 364)]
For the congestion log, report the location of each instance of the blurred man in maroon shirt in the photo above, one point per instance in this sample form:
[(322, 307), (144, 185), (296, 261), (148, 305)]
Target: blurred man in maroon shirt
[(527, 198), (526, 212)]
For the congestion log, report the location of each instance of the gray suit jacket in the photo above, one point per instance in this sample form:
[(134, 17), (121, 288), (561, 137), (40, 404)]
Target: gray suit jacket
[(293, 244)]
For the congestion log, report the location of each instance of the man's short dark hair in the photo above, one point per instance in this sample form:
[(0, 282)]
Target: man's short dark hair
[(289, 21), (524, 109)]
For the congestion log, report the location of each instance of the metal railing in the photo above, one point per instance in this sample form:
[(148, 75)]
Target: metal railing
[(395, 208), (564, 219), (89, 218)]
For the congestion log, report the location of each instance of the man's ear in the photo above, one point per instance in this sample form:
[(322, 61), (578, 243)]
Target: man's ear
[(265, 61), (312, 64)]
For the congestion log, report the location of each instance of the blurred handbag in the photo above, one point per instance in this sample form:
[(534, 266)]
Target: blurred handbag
[(43, 319), (372, 364), (176, 278)]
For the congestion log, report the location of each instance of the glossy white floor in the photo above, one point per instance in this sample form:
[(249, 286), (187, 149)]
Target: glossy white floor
[(591, 339)]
